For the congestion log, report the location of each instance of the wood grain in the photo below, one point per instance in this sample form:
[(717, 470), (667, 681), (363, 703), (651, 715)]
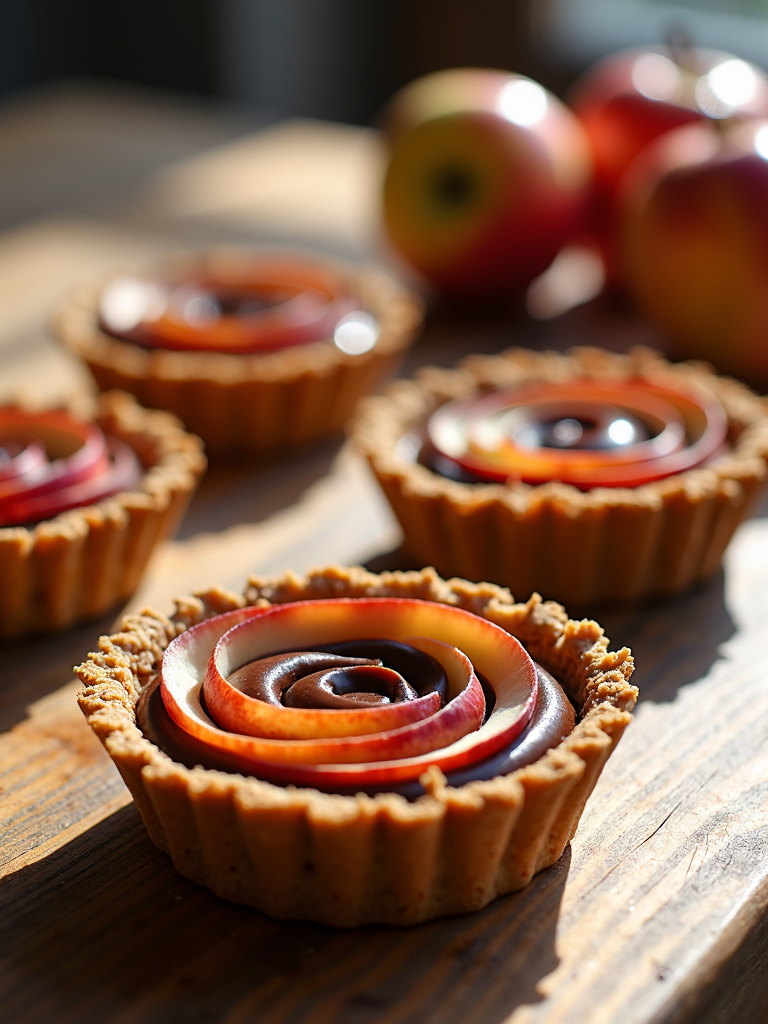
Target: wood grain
[(667, 871), (657, 914)]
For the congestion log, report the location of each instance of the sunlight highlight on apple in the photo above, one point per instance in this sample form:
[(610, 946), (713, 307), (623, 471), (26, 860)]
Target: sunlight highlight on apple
[(729, 85), (761, 142), (126, 301), (655, 76), (733, 82), (522, 102), (621, 432)]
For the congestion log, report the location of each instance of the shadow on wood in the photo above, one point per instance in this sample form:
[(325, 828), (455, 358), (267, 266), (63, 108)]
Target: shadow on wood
[(35, 667), (667, 658), (104, 929), (239, 490), (674, 642)]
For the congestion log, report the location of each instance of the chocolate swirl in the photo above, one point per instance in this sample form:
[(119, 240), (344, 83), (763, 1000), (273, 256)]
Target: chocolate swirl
[(553, 719), (587, 433), (350, 674)]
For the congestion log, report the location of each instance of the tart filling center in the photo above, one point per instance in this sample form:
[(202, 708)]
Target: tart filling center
[(586, 433), (51, 462), (369, 712), (243, 307)]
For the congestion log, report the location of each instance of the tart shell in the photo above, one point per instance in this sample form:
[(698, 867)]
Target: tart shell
[(583, 548), (353, 860), (81, 563), (253, 402)]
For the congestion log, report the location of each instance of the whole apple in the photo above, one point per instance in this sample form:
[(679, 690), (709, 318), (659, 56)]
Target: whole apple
[(629, 99), (487, 180), (695, 244)]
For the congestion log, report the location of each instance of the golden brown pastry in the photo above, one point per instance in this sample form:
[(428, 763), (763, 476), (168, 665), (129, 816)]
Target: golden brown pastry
[(391, 855), (252, 351), (480, 466)]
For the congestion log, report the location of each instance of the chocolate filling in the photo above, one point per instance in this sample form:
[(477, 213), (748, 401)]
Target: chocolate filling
[(350, 674), (553, 719)]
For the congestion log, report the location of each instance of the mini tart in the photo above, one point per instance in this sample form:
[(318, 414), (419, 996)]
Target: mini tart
[(582, 547), (83, 562), (352, 860), (250, 402)]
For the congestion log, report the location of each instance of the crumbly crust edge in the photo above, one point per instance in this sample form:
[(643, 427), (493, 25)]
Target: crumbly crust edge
[(475, 842), (82, 562), (398, 311), (681, 523)]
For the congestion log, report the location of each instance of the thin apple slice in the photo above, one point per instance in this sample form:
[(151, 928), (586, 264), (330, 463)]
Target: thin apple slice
[(240, 713), (78, 449), (19, 458), (462, 714), (493, 651), (122, 473)]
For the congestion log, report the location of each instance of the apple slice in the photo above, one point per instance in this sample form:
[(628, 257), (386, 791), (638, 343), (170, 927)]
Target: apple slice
[(240, 713), (19, 458), (463, 713), (451, 737), (122, 472), (76, 450), (59, 464), (232, 306), (486, 435)]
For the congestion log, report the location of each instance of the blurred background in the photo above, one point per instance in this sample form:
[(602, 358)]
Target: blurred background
[(341, 59), (131, 127)]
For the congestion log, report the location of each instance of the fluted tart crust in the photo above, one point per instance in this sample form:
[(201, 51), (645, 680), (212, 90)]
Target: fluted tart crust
[(582, 547), (250, 402), (81, 563), (352, 860)]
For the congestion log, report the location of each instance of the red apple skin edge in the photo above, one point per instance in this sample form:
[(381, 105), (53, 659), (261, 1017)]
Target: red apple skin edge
[(451, 91), (287, 626), (524, 190), (695, 245), (500, 656), (621, 121)]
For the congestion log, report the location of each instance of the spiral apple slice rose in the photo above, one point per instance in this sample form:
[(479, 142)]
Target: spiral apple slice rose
[(51, 462), (378, 744), (587, 433)]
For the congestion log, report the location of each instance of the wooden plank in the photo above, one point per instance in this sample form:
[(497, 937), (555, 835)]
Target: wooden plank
[(306, 181), (666, 872), (657, 913), (56, 780), (39, 264)]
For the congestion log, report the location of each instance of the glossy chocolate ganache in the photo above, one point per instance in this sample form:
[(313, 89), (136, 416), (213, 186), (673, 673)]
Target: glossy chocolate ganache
[(364, 673), (587, 433), (237, 307)]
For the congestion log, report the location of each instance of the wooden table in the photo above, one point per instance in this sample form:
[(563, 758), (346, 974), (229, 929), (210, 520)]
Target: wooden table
[(657, 912)]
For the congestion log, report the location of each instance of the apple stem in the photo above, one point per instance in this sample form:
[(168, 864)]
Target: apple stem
[(682, 51)]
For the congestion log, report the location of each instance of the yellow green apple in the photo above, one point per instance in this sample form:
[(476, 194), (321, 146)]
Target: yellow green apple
[(486, 181)]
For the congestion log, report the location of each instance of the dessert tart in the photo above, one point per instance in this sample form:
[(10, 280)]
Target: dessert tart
[(274, 750), (589, 476), (251, 351), (83, 504)]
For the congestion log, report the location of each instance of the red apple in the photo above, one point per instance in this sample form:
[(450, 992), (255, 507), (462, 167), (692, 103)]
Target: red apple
[(487, 179), (695, 244), (631, 98)]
